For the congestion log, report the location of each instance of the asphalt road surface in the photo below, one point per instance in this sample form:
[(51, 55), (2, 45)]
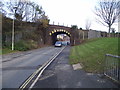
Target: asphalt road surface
[(17, 70), (60, 74)]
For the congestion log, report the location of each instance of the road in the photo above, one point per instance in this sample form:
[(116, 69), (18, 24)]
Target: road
[(60, 74), (17, 70)]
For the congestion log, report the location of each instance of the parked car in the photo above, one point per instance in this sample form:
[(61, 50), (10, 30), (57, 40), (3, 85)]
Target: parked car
[(58, 44)]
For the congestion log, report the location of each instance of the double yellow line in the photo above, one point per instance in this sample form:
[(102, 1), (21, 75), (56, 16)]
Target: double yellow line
[(29, 79), (23, 86)]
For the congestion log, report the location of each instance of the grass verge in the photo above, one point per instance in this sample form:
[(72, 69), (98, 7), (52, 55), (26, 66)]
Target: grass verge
[(92, 53), (19, 46), (6, 51)]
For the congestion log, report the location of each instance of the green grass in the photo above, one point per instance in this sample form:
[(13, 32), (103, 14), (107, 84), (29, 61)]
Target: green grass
[(19, 46), (6, 51), (92, 53)]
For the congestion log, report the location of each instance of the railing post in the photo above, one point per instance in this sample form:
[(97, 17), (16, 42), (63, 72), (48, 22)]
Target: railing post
[(119, 69), (104, 66), (112, 67)]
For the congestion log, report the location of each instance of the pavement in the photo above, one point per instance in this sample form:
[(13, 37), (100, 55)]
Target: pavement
[(60, 74)]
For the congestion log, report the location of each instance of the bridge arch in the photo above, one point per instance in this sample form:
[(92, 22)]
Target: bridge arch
[(56, 32), (60, 31)]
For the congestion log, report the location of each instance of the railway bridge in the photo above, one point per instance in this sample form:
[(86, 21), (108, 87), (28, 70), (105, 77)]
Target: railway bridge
[(76, 35), (55, 30)]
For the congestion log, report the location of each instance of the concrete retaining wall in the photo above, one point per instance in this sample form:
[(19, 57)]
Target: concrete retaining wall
[(94, 34)]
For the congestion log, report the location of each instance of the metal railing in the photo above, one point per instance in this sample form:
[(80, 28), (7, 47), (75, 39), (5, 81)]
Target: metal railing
[(112, 67)]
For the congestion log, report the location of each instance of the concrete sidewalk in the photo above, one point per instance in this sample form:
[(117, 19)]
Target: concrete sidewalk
[(60, 74)]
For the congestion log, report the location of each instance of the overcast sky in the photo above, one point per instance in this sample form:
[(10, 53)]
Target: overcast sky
[(72, 12)]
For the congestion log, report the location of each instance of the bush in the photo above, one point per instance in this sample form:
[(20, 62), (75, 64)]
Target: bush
[(25, 45), (6, 45), (21, 46), (33, 44)]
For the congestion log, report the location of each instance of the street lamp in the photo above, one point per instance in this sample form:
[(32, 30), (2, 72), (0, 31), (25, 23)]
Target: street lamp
[(13, 31)]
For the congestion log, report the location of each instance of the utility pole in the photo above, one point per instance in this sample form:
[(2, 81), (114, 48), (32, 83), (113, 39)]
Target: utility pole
[(13, 29), (13, 35)]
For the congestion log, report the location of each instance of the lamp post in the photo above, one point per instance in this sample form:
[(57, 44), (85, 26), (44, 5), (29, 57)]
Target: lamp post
[(13, 30), (13, 35)]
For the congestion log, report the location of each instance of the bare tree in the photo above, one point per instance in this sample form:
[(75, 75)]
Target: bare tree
[(24, 10), (2, 10), (87, 24), (16, 8), (108, 11)]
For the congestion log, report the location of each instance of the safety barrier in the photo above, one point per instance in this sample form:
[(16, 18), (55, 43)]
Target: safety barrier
[(112, 67)]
